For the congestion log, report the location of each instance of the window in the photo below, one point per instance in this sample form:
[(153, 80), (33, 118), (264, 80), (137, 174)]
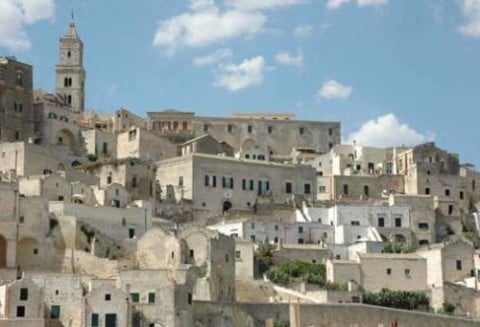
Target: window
[(214, 181), (330, 131), (238, 254), (461, 195), (151, 298), (132, 135), (205, 127), (23, 294), (300, 229), (459, 264), (19, 78), (269, 129), (288, 187), (226, 258), (131, 233), (301, 241), (109, 179), (301, 130), (389, 271), (55, 312), (447, 192), (252, 185), (423, 242), (330, 146), (276, 227), (189, 298), (355, 223), (450, 209), (244, 184), (69, 99), (135, 297), (423, 226), (207, 180), (366, 190), (229, 128), (20, 311), (95, 320), (180, 181), (322, 189), (110, 320), (17, 135), (2, 74), (249, 128), (252, 238), (381, 222), (192, 253), (35, 251), (345, 189), (398, 222), (105, 148), (252, 225), (275, 240), (407, 272), (427, 191), (21, 219), (307, 188), (134, 181)]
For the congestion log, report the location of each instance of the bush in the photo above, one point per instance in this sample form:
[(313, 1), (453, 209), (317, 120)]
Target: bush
[(298, 271), (397, 248), (343, 287), (448, 308), (397, 299), (264, 257)]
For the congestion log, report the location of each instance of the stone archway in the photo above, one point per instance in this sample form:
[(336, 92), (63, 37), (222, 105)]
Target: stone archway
[(28, 253), (3, 252), (227, 205), (398, 238), (65, 137)]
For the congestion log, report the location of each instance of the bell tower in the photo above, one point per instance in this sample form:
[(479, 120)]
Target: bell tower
[(70, 73)]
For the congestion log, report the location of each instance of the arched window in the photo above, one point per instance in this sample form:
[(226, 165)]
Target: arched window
[(69, 99), (19, 78), (69, 54)]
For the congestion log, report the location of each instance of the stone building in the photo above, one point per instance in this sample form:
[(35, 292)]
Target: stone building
[(70, 75), (140, 143), (276, 134), (16, 100), (376, 271), (21, 299), (217, 184)]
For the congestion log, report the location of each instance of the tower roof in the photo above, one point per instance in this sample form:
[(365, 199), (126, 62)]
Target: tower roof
[(71, 30)]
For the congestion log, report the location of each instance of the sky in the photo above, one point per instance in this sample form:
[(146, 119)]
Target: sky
[(393, 72)]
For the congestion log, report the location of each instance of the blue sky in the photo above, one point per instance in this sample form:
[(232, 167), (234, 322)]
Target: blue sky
[(392, 71)]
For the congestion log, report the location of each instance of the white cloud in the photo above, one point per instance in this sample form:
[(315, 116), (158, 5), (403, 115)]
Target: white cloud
[(387, 131), (303, 30), (373, 3), (16, 14), (285, 58), (471, 11), (261, 4), (213, 58), (201, 4), (334, 90), (335, 4), (204, 25), (249, 72)]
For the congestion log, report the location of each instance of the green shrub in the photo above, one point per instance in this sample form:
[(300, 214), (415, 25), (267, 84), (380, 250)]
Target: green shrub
[(397, 299), (298, 271)]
